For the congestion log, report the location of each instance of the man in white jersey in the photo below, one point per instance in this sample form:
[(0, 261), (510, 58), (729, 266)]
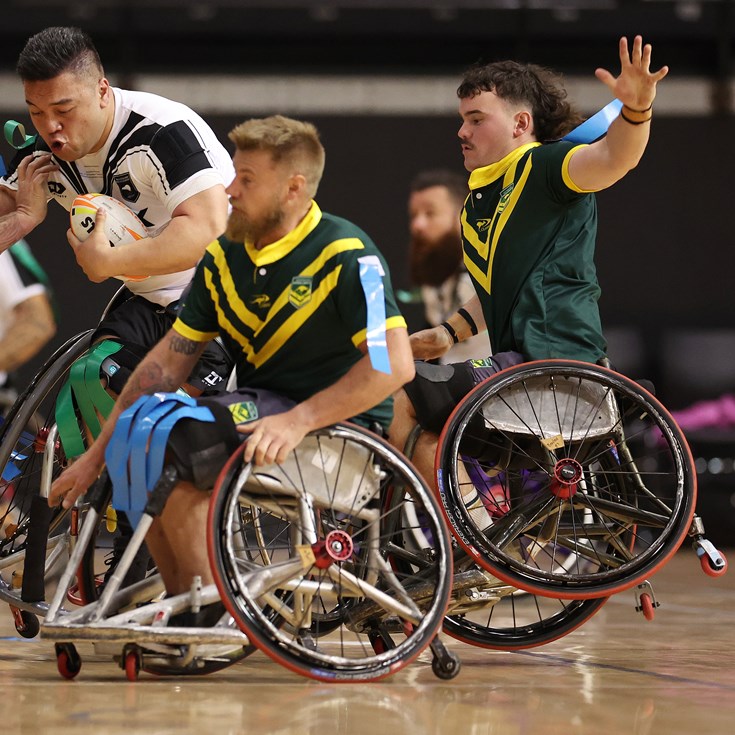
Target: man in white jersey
[(157, 156)]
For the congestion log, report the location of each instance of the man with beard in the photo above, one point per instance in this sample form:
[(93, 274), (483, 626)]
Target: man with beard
[(434, 208), (292, 292)]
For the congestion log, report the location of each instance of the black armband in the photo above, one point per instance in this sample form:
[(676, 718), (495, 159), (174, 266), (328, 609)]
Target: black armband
[(451, 331), (466, 316)]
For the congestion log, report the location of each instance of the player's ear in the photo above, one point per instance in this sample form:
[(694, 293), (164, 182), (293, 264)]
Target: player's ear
[(523, 122), (104, 91), (296, 185)]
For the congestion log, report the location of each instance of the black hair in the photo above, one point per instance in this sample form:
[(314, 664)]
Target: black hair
[(56, 50)]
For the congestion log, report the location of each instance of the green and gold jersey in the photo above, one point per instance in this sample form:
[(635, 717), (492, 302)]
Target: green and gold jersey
[(293, 313), (529, 238)]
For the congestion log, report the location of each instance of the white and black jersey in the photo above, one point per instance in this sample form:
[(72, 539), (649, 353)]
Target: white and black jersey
[(158, 154)]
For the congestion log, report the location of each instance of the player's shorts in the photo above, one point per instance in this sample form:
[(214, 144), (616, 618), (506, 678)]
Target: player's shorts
[(140, 324), (248, 404), (437, 389)]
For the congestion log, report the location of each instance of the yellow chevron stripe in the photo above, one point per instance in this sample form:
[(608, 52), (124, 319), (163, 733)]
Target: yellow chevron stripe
[(247, 317), (473, 238), (484, 277), (193, 334), (334, 248), (224, 322), (250, 320), (294, 322), (505, 216)]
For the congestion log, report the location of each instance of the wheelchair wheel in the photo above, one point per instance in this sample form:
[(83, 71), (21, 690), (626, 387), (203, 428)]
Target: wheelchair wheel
[(497, 616), (485, 611), (30, 458), (565, 479), (301, 554)]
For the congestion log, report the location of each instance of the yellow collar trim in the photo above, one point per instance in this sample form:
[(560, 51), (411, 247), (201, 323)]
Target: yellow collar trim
[(281, 248), (487, 174)]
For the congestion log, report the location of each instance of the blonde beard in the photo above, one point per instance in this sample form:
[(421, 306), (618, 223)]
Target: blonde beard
[(243, 229)]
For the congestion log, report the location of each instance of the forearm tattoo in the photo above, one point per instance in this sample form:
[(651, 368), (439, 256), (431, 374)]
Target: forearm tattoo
[(147, 379), (183, 345)]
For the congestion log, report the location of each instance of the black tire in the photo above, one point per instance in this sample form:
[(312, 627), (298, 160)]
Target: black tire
[(566, 479), (520, 620), (491, 614), (24, 439), (257, 528)]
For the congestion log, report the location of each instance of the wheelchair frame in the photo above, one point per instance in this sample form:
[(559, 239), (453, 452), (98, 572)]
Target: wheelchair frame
[(332, 578)]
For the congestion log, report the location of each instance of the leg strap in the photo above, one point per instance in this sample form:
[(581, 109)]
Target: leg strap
[(137, 447), (83, 395)]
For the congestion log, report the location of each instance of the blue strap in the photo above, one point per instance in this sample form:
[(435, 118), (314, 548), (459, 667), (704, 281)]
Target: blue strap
[(3, 170), (137, 448), (372, 285), (596, 126), (157, 449), (143, 431), (11, 471), (117, 454)]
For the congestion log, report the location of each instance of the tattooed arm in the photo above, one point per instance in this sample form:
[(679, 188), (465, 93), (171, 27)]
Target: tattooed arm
[(164, 368)]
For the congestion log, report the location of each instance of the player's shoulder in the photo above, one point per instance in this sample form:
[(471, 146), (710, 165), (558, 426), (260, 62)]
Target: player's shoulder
[(154, 107), (333, 227), (352, 242), (553, 152)]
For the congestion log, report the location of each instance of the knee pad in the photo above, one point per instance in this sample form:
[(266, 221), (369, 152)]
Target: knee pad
[(117, 369), (200, 450), (143, 434)]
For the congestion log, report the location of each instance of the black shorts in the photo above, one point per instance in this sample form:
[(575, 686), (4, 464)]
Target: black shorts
[(200, 449), (437, 389), (248, 404), (139, 324)]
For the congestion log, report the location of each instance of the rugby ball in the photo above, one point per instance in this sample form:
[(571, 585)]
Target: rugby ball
[(122, 225)]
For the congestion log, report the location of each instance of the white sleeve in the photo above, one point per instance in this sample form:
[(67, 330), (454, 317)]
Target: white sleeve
[(12, 289)]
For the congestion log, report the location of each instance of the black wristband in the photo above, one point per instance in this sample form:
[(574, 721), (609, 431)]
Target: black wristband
[(634, 122), (451, 331), (466, 316)]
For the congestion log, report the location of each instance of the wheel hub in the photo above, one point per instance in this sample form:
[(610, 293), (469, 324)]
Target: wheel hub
[(337, 546), (567, 475)]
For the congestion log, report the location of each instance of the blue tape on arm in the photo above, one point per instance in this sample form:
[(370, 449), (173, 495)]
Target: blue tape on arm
[(372, 286), (596, 126)]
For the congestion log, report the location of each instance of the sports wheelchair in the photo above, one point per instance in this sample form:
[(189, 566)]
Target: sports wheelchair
[(562, 483), (313, 560), (67, 391)]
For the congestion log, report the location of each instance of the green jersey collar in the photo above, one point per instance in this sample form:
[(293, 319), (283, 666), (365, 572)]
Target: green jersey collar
[(281, 248), (487, 174)]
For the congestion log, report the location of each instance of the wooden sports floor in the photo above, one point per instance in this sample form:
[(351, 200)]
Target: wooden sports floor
[(617, 674)]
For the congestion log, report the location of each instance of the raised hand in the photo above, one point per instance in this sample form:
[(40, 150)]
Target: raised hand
[(635, 87)]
